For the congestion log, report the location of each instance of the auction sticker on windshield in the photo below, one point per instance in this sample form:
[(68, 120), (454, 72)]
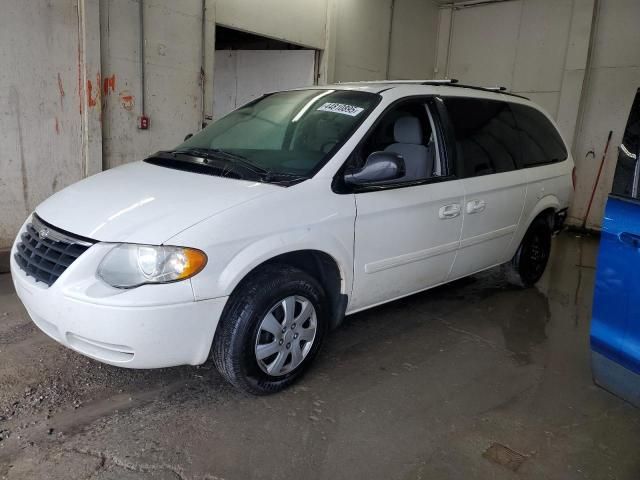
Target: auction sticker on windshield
[(341, 108)]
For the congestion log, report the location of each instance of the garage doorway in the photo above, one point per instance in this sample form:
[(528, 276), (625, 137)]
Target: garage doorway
[(247, 66)]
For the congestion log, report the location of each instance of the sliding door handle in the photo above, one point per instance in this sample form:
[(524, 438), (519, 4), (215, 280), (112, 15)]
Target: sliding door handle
[(476, 206), (449, 211)]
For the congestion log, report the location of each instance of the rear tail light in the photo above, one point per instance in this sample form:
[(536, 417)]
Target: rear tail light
[(573, 177)]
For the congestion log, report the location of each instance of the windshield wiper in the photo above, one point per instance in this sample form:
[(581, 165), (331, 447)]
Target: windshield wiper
[(219, 154), (263, 174)]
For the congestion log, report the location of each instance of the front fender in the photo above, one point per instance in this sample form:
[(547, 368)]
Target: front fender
[(232, 260), (267, 248)]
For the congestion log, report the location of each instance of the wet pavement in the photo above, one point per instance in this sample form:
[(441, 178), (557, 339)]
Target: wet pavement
[(474, 380)]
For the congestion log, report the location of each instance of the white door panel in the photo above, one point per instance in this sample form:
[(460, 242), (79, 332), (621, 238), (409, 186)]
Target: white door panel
[(403, 242), (493, 208)]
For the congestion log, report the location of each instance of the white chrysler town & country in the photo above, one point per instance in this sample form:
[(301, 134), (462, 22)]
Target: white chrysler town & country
[(254, 237)]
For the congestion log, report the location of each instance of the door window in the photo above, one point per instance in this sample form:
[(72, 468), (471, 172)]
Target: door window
[(406, 129), (541, 142), (626, 178), (486, 136)]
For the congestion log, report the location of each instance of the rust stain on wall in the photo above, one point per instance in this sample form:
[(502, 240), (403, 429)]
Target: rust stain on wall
[(61, 90), (91, 99), (127, 100), (109, 85), (57, 127)]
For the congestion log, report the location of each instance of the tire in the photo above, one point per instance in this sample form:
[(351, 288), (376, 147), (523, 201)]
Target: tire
[(247, 332), (532, 256)]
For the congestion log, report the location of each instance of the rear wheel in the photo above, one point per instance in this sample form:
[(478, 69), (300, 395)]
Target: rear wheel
[(530, 261), (271, 330)]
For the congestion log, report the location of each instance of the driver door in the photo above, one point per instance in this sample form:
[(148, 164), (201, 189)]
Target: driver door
[(406, 233)]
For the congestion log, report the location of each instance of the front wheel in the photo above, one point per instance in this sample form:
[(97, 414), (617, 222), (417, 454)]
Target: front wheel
[(530, 261), (271, 330)]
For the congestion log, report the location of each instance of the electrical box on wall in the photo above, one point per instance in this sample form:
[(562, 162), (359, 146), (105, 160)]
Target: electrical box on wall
[(143, 122)]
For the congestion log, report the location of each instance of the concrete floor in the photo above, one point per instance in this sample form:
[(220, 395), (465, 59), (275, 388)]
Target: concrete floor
[(420, 388)]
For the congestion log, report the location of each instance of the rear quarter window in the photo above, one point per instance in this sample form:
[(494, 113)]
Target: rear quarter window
[(540, 142), (486, 136)]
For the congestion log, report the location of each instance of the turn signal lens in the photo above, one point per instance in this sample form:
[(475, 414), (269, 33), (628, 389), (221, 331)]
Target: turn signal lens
[(194, 262)]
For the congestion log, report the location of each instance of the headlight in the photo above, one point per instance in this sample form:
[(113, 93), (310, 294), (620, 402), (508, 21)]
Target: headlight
[(128, 265)]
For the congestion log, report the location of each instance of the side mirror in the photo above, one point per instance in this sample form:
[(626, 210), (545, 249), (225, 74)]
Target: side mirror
[(188, 136), (379, 169)]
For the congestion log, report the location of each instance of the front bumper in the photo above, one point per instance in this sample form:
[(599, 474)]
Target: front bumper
[(151, 326)]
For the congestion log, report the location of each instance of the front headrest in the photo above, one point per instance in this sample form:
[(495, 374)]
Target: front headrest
[(407, 130)]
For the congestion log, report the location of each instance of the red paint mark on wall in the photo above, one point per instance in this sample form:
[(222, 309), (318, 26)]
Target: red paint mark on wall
[(60, 89), (109, 85), (127, 100), (91, 99)]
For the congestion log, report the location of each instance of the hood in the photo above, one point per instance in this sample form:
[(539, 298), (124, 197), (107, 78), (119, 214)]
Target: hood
[(144, 203)]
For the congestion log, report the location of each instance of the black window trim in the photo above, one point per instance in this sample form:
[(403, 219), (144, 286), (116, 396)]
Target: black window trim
[(624, 198), (430, 101)]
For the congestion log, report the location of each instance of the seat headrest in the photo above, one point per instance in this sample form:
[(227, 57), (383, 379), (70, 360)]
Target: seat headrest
[(408, 130)]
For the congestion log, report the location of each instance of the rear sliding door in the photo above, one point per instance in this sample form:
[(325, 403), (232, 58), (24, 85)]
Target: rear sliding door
[(487, 149)]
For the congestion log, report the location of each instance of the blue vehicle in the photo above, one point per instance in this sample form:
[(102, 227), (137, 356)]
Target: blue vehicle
[(615, 326)]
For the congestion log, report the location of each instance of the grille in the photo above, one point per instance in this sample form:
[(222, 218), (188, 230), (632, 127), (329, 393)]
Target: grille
[(44, 252)]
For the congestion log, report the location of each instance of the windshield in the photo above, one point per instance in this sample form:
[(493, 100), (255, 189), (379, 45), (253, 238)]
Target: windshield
[(289, 133)]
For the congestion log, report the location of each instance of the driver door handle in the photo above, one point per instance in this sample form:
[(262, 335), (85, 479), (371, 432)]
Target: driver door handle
[(449, 211), (630, 239), (476, 206)]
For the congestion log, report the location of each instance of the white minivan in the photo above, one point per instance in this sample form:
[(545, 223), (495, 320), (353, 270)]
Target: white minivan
[(254, 237)]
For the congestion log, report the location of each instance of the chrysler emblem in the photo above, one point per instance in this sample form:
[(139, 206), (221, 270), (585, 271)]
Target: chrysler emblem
[(43, 233)]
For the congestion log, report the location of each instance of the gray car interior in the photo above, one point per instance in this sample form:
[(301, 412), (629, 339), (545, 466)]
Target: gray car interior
[(409, 142)]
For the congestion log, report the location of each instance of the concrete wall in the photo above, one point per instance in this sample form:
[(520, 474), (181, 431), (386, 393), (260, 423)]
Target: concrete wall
[(539, 48), (173, 88), (413, 39), (362, 38), (40, 121), (379, 39)]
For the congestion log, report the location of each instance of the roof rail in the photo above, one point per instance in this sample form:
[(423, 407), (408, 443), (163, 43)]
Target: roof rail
[(502, 90), (444, 81), (400, 82)]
